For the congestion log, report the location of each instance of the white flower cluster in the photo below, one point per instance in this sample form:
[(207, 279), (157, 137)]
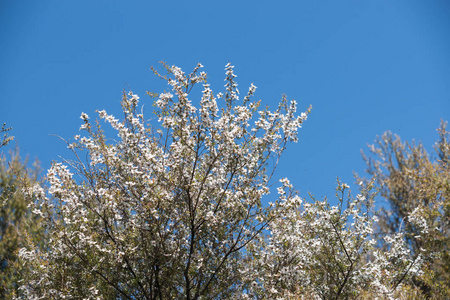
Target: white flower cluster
[(318, 251)]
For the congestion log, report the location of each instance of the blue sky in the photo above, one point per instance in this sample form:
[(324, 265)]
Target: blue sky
[(365, 67)]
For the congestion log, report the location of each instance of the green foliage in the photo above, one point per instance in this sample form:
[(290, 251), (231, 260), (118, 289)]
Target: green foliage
[(417, 187), (17, 225)]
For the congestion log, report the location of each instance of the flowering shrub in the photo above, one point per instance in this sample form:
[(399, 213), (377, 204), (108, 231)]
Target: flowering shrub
[(176, 212)]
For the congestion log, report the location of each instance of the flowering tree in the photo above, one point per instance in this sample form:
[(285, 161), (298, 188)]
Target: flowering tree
[(167, 213), (176, 212)]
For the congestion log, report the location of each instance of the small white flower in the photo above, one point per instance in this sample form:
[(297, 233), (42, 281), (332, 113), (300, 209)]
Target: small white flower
[(102, 114), (84, 116)]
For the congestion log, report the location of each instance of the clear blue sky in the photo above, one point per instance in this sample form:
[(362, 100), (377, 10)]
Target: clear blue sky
[(365, 66)]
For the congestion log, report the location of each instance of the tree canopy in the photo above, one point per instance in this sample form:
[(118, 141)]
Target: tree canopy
[(179, 210)]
